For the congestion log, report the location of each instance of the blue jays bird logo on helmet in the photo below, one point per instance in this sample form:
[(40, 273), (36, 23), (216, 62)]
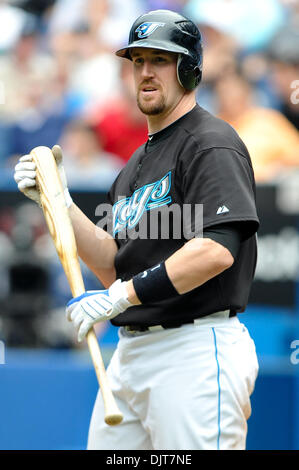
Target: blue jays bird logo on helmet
[(146, 29)]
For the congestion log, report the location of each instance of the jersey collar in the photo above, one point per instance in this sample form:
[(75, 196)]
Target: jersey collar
[(160, 136)]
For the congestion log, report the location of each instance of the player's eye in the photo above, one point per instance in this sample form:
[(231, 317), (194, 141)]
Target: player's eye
[(138, 60), (159, 59)]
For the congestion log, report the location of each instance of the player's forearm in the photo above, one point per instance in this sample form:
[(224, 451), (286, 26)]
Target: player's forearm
[(198, 261), (95, 246)]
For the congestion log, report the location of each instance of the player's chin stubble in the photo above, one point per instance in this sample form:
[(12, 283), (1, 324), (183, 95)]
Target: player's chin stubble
[(151, 109)]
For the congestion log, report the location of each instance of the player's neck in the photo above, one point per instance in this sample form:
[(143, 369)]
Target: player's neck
[(159, 122)]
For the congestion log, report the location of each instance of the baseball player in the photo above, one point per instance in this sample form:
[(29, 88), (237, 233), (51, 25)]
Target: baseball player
[(184, 367)]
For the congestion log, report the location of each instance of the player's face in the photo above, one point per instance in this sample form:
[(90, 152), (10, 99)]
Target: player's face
[(157, 86)]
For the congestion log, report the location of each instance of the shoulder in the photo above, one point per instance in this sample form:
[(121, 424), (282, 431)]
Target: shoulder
[(212, 146), (207, 131)]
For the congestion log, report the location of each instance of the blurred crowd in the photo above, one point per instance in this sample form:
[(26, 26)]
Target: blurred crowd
[(60, 82)]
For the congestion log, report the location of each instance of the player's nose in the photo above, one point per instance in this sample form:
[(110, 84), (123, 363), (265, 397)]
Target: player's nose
[(147, 70)]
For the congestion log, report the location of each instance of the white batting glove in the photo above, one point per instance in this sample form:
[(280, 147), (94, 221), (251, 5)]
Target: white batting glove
[(25, 176), (97, 306)]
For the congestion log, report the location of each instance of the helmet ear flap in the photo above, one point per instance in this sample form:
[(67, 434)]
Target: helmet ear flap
[(188, 73), (197, 74)]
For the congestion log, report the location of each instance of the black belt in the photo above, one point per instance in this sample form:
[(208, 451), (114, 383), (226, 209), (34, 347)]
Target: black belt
[(165, 326)]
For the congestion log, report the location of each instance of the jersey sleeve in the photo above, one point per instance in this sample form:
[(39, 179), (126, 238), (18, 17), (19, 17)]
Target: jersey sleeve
[(228, 235), (222, 180)]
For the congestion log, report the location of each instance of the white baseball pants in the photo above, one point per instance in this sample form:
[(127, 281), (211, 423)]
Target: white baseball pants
[(180, 389)]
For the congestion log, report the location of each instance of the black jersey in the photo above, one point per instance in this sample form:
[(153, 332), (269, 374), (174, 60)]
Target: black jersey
[(199, 159)]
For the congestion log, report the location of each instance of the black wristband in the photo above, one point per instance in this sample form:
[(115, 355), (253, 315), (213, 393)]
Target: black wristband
[(154, 285)]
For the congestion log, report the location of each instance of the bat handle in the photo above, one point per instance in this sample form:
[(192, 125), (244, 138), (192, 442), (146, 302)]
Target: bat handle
[(112, 414)]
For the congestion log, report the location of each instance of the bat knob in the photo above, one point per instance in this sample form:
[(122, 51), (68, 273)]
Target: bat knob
[(114, 419)]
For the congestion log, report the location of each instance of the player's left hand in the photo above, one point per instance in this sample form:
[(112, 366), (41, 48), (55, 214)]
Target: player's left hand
[(97, 306)]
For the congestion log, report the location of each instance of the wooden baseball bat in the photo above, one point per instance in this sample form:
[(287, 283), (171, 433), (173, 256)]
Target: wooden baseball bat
[(61, 230)]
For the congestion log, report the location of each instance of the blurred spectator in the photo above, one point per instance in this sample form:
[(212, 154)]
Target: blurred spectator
[(87, 40), (284, 54), (109, 20), (40, 123), (27, 65), (12, 21), (36, 7), (6, 144), (94, 70), (252, 24), (37, 100), (113, 31), (120, 125), (219, 58), (91, 68), (175, 5), (272, 141), (65, 16), (87, 166)]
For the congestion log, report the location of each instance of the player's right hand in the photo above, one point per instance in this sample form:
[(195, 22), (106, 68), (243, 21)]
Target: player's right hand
[(97, 306), (25, 176)]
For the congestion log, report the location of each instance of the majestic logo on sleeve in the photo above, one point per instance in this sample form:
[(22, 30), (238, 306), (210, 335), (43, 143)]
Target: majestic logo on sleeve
[(146, 29), (128, 211), (222, 210)]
